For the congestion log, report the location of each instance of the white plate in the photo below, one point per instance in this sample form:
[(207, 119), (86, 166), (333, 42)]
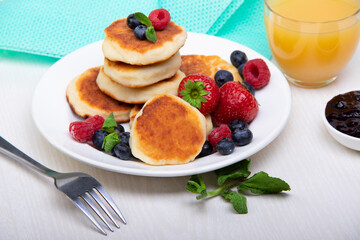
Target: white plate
[(52, 114)]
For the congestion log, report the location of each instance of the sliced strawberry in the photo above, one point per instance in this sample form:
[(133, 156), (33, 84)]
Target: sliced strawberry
[(200, 91), (236, 102), (257, 73)]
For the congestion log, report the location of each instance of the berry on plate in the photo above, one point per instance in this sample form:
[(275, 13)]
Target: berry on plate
[(81, 131), (225, 146), (236, 102), (242, 137), (200, 91), (257, 73), (238, 58), (223, 76), (98, 139), (223, 131), (159, 18), (207, 149), (96, 121)]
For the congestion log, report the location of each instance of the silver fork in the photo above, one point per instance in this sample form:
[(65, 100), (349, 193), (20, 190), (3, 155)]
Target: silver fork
[(79, 187)]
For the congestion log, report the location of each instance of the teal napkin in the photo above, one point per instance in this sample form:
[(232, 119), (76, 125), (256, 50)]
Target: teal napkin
[(56, 28)]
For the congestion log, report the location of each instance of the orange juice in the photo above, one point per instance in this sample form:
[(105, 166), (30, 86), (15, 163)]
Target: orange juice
[(312, 40)]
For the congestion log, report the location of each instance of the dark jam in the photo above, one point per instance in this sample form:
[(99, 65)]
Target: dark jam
[(343, 113)]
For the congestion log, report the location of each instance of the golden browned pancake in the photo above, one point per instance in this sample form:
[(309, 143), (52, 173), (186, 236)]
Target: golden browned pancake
[(137, 108), (86, 99), (138, 95), (167, 130), (120, 44), (207, 65), (134, 76)]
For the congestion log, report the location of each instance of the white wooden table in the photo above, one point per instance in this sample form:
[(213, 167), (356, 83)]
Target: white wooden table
[(324, 202)]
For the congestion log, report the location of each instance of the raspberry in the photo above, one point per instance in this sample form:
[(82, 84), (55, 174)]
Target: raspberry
[(257, 73), (96, 121), (159, 18), (223, 131), (81, 131)]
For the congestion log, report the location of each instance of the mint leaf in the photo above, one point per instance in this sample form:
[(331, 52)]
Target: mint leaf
[(237, 200), (143, 19), (109, 124), (110, 141), (262, 183), (197, 185), (238, 170), (150, 34)]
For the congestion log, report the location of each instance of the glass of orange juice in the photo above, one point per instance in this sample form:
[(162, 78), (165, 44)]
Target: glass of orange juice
[(312, 40)]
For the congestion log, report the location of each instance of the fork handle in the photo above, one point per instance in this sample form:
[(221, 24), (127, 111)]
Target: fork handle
[(13, 152)]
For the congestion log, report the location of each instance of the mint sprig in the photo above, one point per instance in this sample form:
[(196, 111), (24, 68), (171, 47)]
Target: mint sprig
[(237, 175), (150, 30), (112, 138), (109, 124)]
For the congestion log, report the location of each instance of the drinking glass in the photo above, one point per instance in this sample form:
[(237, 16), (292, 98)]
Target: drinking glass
[(312, 50)]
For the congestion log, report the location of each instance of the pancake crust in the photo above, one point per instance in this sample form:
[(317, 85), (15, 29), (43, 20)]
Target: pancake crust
[(207, 65), (167, 130), (86, 99), (138, 95), (134, 76), (137, 108), (120, 44)]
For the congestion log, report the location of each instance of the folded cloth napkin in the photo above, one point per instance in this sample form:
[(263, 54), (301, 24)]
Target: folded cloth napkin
[(56, 28)]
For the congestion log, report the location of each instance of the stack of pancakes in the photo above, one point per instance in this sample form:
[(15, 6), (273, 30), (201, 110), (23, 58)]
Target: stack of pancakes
[(134, 70)]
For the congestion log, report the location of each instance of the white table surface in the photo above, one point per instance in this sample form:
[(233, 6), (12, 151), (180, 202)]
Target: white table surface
[(324, 201)]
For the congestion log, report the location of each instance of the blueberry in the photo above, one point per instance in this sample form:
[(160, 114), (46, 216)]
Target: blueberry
[(242, 137), (119, 128), (223, 76), (225, 146), (122, 151), (124, 137), (139, 32), (238, 57), (98, 138), (206, 149), (249, 87), (240, 70), (238, 124), (132, 21)]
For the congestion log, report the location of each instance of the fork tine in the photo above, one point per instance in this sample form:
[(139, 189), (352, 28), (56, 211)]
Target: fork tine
[(87, 199), (97, 199), (82, 207), (111, 202)]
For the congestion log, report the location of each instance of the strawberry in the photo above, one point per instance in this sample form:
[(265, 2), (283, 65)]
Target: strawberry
[(200, 91), (257, 73), (236, 102)]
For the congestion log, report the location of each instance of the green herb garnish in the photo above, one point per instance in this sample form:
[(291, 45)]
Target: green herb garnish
[(109, 124), (236, 175), (150, 31), (110, 141)]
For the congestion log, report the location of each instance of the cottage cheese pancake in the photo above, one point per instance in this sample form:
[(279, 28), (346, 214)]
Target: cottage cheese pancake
[(120, 44), (137, 108), (134, 76), (207, 65), (86, 99), (167, 130), (138, 95)]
